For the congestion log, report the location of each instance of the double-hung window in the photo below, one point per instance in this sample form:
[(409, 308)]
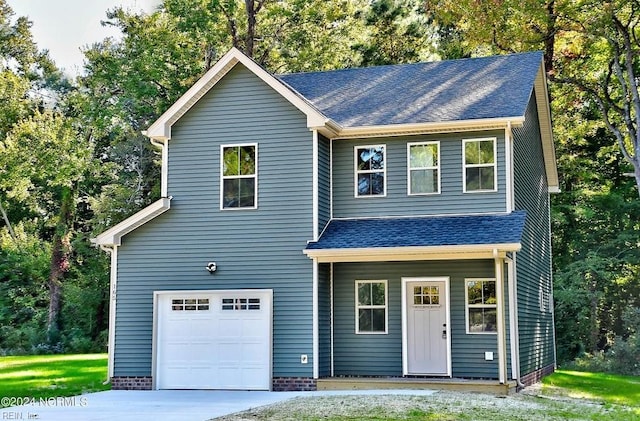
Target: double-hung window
[(479, 164), (424, 167), (370, 170), (239, 176), (371, 306), (482, 305)]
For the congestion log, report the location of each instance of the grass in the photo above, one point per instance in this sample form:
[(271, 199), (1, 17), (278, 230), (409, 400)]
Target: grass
[(565, 395), (45, 376), (602, 387)]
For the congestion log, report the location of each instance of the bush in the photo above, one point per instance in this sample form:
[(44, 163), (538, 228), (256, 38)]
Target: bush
[(622, 358)]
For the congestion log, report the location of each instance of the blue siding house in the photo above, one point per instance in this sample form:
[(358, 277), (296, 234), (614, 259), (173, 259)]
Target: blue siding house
[(388, 222)]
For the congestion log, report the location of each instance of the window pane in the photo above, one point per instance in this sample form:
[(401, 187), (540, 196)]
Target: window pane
[(489, 292), (247, 160), (417, 299), (370, 158), (377, 293), (424, 181), (231, 161), (474, 291), (423, 156), (435, 299), (486, 152), (476, 323), (426, 299), (471, 153), (490, 320), (486, 179), (472, 179), (370, 184), (247, 191), (364, 320), (378, 322), (231, 193), (364, 294)]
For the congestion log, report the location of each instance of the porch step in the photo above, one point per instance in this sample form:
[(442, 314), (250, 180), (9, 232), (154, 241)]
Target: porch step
[(461, 385)]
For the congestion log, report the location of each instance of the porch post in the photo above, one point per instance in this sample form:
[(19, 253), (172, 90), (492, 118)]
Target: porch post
[(315, 321), (500, 322)]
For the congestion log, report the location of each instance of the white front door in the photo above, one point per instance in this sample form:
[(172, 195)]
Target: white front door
[(214, 340), (426, 328)]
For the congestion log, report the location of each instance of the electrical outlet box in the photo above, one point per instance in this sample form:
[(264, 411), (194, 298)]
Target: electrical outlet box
[(488, 356), (304, 359)]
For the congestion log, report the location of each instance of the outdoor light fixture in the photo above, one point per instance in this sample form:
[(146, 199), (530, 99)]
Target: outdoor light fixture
[(212, 267)]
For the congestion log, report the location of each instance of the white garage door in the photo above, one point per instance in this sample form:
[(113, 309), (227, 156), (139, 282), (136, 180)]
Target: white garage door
[(214, 340)]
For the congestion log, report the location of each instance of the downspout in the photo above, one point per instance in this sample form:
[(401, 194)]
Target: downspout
[(515, 331), (113, 279), (315, 320), (164, 168), (502, 343)]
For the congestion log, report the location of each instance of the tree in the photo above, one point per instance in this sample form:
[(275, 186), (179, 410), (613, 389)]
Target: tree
[(42, 166), (398, 32)]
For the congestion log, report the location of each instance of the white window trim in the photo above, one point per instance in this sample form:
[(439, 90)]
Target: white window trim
[(465, 166), (356, 172), (467, 305), (222, 177), (358, 307), (409, 168)]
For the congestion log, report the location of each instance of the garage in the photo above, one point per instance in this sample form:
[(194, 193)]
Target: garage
[(213, 339)]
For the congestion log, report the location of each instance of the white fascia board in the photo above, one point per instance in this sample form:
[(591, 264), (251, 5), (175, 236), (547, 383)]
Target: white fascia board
[(546, 129), (432, 127), (161, 128), (380, 254), (113, 236)]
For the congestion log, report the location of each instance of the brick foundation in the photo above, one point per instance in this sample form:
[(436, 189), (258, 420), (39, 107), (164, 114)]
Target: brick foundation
[(131, 383), (536, 376), (289, 384)]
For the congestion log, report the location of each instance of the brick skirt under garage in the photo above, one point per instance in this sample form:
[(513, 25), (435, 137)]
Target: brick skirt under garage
[(132, 383)]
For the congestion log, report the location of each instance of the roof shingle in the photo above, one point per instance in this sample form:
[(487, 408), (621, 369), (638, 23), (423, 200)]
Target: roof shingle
[(422, 231), (452, 90)]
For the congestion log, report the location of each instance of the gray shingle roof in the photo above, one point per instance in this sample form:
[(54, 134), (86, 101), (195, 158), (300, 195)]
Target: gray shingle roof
[(422, 231), (465, 89)]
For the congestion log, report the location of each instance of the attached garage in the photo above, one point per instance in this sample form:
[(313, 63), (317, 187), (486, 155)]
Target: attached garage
[(213, 339)]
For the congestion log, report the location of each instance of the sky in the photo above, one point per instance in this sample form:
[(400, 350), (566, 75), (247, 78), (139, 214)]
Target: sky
[(65, 26)]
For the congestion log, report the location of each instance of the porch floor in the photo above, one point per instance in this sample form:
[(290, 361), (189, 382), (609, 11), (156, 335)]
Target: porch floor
[(456, 384)]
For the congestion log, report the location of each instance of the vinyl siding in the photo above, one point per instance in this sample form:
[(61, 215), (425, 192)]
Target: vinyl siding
[(254, 248), (324, 182), (397, 202), (324, 319), (381, 355), (533, 262)]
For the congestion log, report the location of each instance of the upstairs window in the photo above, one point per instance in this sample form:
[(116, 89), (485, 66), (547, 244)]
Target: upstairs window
[(479, 165), (239, 176), (424, 167), (482, 306), (370, 171)]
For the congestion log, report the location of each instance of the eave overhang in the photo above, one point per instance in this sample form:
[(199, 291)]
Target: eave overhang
[(113, 236), (397, 254)]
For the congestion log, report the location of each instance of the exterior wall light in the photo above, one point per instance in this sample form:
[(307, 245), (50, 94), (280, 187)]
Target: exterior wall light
[(212, 267)]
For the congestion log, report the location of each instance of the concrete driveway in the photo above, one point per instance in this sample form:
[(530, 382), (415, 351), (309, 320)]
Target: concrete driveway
[(162, 405)]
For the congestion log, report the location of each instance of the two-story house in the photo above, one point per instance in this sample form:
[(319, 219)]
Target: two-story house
[(388, 222)]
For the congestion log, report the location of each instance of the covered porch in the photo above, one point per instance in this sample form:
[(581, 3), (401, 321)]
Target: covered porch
[(392, 303)]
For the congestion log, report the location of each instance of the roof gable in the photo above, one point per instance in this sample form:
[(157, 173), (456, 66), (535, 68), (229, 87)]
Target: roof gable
[(161, 128)]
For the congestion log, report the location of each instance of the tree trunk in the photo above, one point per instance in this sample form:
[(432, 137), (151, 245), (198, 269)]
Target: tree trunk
[(60, 251)]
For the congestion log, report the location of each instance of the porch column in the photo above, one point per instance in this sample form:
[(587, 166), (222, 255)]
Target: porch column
[(500, 322), (315, 321)]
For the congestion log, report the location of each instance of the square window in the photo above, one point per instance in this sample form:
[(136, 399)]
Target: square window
[(239, 176), (481, 303), (370, 170), (371, 307)]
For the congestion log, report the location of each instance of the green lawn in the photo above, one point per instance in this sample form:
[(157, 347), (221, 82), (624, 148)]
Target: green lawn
[(606, 388), (44, 376)]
